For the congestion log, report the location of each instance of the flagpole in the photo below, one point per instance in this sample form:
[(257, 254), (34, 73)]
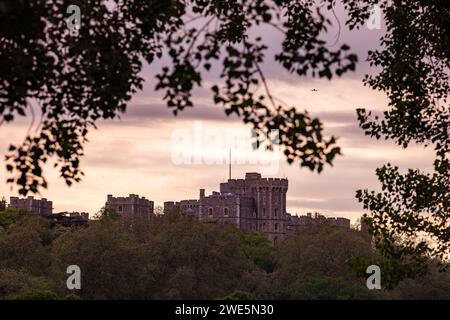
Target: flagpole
[(229, 164)]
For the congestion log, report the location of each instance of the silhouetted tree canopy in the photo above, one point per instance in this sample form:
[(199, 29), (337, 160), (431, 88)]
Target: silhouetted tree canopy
[(177, 257), (410, 217), (68, 80), (71, 79)]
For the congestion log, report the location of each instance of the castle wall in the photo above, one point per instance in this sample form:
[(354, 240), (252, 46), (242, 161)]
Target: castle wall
[(42, 206), (253, 203), (190, 207), (169, 206), (295, 223), (269, 195), (133, 204), (220, 208)]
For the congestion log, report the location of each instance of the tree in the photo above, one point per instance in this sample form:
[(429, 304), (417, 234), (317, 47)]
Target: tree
[(71, 79), (238, 295), (325, 288), (410, 217), (22, 246), (13, 282), (195, 260), (176, 257), (320, 250), (10, 216), (105, 213), (35, 295), (313, 264), (162, 258), (159, 210), (434, 285), (109, 259), (258, 248), (3, 204), (75, 78)]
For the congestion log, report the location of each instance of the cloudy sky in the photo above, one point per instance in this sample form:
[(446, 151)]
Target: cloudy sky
[(140, 153)]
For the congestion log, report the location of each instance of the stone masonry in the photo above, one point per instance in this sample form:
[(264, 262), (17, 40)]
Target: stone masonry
[(253, 203), (133, 204), (42, 206)]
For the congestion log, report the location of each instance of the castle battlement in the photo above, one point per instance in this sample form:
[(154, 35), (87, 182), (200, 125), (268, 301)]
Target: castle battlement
[(253, 183), (130, 199), (39, 206), (253, 203), (272, 182), (133, 204), (237, 182)]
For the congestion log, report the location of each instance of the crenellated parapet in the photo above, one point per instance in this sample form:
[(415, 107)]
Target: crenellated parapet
[(133, 204)]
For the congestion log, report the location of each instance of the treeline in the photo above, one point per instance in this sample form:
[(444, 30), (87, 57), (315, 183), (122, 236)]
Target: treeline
[(175, 257)]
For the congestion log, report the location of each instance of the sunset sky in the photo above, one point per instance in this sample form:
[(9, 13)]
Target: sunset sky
[(134, 154)]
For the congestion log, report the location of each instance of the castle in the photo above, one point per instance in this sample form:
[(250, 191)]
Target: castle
[(41, 206), (133, 204), (253, 203), (44, 208)]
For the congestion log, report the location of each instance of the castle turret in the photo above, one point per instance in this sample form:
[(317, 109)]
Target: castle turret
[(269, 196)]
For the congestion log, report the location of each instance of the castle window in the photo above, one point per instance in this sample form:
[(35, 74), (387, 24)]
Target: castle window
[(210, 212), (120, 209), (264, 212), (276, 226), (225, 212), (276, 212)]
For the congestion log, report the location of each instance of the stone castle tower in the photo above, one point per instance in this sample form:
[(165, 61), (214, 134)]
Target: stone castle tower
[(269, 202), (253, 203)]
